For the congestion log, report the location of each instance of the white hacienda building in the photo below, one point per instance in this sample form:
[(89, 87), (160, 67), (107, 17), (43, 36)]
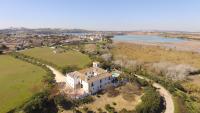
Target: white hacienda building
[(90, 80)]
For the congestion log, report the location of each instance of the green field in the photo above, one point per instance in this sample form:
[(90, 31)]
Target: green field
[(60, 59), (18, 82)]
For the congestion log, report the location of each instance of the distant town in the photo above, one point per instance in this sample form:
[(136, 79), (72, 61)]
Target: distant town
[(13, 39), (19, 39)]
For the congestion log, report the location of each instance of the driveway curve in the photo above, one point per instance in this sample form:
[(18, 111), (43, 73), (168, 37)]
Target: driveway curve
[(163, 92)]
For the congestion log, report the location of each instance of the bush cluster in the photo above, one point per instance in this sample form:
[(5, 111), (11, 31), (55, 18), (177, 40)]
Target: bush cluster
[(151, 102), (109, 108)]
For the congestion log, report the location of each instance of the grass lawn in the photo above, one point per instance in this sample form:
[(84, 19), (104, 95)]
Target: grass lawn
[(60, 59), (18, 82)]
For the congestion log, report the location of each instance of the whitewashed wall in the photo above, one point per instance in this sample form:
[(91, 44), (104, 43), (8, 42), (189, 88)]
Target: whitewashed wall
[(96, 84), (85, 86), (72, 81)]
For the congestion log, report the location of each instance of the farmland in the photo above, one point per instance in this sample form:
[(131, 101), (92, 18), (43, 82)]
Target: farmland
[(18, 82), (61, 58)]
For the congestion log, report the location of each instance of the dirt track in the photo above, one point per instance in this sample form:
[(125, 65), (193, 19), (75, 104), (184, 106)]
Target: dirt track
[(163, 92), (59, 77)]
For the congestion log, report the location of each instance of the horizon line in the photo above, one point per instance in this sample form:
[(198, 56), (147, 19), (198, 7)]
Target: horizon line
[(62, 28)]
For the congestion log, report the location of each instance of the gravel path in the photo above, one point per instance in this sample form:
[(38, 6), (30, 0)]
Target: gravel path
[(165, 93)]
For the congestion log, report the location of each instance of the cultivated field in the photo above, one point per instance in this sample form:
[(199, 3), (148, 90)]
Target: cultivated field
[(61, 58), (18, 82)]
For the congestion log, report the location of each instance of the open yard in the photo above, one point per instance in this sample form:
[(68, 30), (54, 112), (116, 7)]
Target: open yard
[(61, 58), (119, 100), (18, 82), (124, 97)]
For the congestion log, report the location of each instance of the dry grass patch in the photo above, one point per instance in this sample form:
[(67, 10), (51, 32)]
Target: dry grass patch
[(194, 80), (192, 86), (129, 92), (151, 54), (118, 102), (121, 103)]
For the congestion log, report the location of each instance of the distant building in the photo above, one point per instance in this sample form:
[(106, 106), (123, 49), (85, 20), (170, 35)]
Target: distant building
[(91, 80)]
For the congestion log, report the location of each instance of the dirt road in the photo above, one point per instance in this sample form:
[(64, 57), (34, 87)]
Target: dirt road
[(59, 77), (163, 92)]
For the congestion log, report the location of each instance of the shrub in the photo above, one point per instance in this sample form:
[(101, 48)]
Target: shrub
[(90, 111), (69, 69), (100, 110), (62, 101), (142, 82), (109, 108), (40, 103), (114, 103), (77, 111), (85, 100), (85, 109)]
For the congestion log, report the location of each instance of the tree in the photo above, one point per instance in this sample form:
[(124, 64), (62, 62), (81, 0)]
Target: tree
[(62, 101), (152, 102), (69, 69), (40, 103)]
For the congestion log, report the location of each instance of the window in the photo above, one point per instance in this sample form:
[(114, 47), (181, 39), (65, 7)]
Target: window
[(81, 85)]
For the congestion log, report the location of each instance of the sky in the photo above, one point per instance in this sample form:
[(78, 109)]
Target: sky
[(119, 15)]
